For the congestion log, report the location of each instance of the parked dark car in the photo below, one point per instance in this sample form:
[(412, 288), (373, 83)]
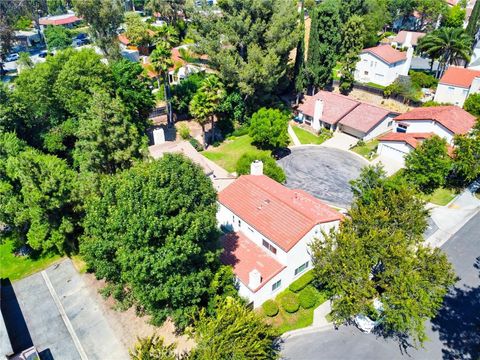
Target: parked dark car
[(81, 36), (43, 54)]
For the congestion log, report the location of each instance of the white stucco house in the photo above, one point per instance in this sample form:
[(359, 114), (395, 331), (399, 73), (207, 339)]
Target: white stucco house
[(268, 231), (334, 112), (456, 84), (382, 64), (412, 127)]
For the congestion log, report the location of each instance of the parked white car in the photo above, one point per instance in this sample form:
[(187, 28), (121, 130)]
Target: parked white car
[(366, 324), (12, 57)]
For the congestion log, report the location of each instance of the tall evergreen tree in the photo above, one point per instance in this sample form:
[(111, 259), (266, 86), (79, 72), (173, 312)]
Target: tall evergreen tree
[(473, 22), (353, 36), (299, 69), (323, 44)]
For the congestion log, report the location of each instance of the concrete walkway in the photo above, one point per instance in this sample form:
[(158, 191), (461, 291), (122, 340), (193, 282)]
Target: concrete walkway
[(452, 217), (294, 136), (340, 141), (320, 313), (391, 166)]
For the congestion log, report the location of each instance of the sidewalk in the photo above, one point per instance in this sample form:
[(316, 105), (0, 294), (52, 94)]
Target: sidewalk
[(452, 217)]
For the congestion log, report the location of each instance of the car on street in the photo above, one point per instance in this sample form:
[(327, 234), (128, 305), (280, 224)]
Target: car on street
[(12, 57), (43, 54)]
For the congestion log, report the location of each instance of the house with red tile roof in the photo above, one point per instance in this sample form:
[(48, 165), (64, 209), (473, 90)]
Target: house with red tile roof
[(456, 84), (414, 126), (268, 231), (382, 64), (339, 112), (67, 20), (407, 38)]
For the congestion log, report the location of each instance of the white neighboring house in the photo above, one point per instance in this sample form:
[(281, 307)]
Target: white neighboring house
[(334, 111), (382, 64), (270, 229), (181, 68), (456, 84), (419, 124), (406, 39)]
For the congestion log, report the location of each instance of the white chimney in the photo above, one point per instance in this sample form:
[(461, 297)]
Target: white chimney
[(408, 40), (256, 168), (254, 279), (317, 113)]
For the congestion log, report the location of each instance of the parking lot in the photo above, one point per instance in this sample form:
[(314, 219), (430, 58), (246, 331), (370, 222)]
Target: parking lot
[(55, 311), (323, 172)]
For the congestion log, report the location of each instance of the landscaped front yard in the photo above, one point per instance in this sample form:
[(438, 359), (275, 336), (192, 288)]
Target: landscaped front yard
[(367, 150), (17, 267), (294, 306), (441, 196), (306, 137), (227, 154)]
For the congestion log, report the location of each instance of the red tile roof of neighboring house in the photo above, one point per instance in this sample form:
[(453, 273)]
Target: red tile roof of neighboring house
[(59, 20), (459, 76), (123, 39), (387, 53), (335, 106), (364, 117), (452, 117), (244, 256), (282, 215), (412, 139), (402, 36)]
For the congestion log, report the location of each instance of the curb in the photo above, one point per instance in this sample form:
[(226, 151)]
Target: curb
[(307, 330)]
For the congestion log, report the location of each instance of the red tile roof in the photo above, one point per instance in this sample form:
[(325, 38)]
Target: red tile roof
[(335, 106), (282, 215), (452, 117), (244, 256), (364, 117), (402, 36), (59, 20), (387, 53), (412, 139), (459, 76)]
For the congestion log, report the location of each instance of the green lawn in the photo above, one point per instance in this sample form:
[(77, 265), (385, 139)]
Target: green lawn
[(376, 86), (441, 196), (336, 70), (367, 149), (15, 267), (306, 137), (285, 321), (227, 154)]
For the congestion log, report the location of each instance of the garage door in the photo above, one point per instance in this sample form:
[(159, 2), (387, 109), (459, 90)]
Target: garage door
[(350, 131), (391, 152)]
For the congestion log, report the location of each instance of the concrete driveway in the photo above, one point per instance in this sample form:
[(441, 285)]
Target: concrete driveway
[(55, 311), (453, 334), (323, 172), (341, 141)]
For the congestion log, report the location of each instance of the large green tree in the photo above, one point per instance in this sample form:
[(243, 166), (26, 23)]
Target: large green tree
[(299, 66), (430, 11), (37, 196), (152, 229), (323, 45), (104, 17), (378, 254), (57, 37), (249, 43), (161, 60), (429, 164), (236, 332), (474, 20), (269, 128), (466, 163), (107, 139)]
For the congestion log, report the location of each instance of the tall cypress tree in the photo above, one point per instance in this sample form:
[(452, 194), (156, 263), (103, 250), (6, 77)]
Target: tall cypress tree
[(323, 45), (299, 69), (472, 26)]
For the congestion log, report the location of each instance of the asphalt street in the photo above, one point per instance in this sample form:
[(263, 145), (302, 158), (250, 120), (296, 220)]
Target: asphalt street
[(323, 172), (453, 334)]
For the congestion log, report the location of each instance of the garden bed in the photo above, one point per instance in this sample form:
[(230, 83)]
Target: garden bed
[(367, 150)]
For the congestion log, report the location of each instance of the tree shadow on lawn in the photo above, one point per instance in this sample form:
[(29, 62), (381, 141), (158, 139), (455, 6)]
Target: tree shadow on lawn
[(458, 322)]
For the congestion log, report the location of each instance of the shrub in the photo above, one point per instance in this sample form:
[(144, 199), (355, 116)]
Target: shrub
[(422, 80), (270, 308), (289, 302), (308, 297), (302, 282), (184, 131), (242, 130), (196, 144), (270, 167), (472, 104)]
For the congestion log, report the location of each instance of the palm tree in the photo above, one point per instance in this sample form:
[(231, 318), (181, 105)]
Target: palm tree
[(200, 112), (166, 33), (161, 60), (448, 45), (214, 92)]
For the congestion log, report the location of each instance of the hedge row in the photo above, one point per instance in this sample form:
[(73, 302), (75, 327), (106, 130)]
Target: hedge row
[(302, 282)]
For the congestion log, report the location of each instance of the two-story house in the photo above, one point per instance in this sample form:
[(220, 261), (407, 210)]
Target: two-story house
[(382, 64), (338, 112), (269, 228), (414, 126), (456, 84)]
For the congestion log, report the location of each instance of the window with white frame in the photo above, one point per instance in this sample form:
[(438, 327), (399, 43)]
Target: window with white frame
[(269, 246), (276, 285), (301, 268)]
